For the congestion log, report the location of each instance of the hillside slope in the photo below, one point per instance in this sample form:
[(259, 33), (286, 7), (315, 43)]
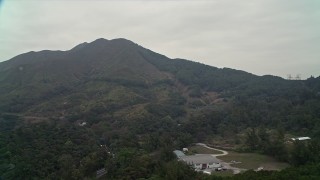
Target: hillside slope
[(37, 77), (62, 113), (109, 76)]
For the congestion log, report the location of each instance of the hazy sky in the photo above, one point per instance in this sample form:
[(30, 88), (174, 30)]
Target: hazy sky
[(276, 37)]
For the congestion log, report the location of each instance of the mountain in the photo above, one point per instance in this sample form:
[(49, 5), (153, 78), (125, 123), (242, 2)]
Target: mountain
[(35, 76), (66, 106), (116, 77)]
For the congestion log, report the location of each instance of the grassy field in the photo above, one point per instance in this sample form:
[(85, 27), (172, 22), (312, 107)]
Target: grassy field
[(253, 161), (223, 173), (202, 150)]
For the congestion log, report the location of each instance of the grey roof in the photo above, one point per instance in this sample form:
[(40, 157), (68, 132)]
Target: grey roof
[(178, 153), (301, 138), (200, 159)]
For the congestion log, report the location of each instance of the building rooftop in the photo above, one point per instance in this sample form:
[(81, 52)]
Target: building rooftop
[(301, 138), (200, 159), (178, 153)]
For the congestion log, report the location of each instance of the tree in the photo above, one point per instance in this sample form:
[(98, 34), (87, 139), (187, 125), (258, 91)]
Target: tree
[(252, 139)]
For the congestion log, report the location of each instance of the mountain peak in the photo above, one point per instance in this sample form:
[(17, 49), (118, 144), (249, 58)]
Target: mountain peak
[(122, 40), (117, 40), (102, 43), (100, 40), (79, 46)]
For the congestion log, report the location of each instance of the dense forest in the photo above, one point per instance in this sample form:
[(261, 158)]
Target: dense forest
[(116, 105)]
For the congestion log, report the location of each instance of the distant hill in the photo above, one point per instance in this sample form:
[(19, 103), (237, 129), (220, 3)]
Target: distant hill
[(109, 70), (39, 76), (131, 97), (119, 73)]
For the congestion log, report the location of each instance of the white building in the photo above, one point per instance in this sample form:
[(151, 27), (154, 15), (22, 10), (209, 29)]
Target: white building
[(202, 161), (178, 153), (301, 138), (83, 123)]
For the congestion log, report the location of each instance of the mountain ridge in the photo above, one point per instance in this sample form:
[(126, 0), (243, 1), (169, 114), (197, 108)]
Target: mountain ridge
[(31, 76), (100, 42), (113, 104)]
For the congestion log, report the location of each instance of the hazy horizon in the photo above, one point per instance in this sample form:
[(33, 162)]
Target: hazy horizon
[(260, 37)]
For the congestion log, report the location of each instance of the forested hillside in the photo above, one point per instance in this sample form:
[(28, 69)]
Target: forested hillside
[(116, 105)]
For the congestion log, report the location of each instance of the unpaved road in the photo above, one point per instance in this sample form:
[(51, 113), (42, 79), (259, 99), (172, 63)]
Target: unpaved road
[(223, 151), (224, 164)]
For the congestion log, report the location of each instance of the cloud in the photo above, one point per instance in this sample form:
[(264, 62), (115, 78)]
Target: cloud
[(277, 37)]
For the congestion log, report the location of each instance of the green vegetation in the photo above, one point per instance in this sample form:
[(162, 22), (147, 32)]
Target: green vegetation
[(202, 150), (303, 172), (253, 161), (138, 107), (225, 173)]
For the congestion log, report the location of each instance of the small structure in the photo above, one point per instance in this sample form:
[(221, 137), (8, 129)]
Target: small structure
[(185, 149), (259, 169), (301, 138), (101, 172), (202, 161), (207, 172), (179, 154), (83, 123)]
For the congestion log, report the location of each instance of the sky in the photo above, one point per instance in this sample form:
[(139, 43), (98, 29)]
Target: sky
[(277, 37)]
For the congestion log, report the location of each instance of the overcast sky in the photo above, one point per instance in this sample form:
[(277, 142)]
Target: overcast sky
[(277, 37)]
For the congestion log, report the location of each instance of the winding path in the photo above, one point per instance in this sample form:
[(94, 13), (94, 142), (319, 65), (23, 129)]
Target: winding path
[(225, 164), (223, 151)]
